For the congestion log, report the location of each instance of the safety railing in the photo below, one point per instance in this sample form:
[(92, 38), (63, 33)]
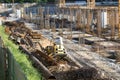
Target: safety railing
[(9, 68)]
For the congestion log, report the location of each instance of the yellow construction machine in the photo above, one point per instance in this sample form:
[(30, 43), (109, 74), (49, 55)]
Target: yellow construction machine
[(57, 50)]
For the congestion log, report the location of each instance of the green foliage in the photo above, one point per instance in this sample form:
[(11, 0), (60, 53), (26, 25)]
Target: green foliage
[(51, 0), (26, 65), (22, 1)]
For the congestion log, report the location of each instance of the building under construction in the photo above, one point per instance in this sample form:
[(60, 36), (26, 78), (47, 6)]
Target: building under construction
[(70, 41)]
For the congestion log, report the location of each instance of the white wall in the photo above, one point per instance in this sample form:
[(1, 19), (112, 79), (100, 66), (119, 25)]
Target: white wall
[(104, 19)]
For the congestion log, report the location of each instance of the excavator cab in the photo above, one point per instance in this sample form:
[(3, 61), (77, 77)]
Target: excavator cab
[(59, 49)]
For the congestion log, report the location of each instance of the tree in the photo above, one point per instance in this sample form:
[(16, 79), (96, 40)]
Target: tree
[(21, 1), (7, 1), (51, 0)]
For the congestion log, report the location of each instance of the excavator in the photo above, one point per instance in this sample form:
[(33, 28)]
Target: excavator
[(57, 50)]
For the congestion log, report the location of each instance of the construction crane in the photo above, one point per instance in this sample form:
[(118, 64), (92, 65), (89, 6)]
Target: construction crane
[(61, 3), (91, 3)]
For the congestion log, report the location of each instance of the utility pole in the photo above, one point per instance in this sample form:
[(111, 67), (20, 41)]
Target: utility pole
[(13, 1), (13, 7)]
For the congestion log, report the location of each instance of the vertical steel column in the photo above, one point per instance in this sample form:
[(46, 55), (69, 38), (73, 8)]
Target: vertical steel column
[(99, 23), (78, 16), (112, 24), (89, 20), (41, 17), (62, 20), (71, 14)]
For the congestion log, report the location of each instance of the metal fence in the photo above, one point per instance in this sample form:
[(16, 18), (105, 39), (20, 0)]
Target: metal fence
[(2, 65), (9, 68)]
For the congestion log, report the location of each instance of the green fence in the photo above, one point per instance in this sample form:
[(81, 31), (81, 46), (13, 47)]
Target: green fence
[(14, 70), (9, 69), (2, 65)]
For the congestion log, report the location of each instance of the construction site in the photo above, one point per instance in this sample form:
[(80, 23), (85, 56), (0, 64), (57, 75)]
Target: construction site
[(68, 41)]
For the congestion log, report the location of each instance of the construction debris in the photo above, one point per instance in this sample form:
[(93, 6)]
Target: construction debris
[(90, 46), (61, 68)]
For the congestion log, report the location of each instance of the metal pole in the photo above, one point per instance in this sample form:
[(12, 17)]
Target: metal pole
[(13, 1), (13, 5)]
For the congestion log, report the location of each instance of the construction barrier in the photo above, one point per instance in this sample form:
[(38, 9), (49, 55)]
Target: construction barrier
[(2, 62), (9, 68)]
